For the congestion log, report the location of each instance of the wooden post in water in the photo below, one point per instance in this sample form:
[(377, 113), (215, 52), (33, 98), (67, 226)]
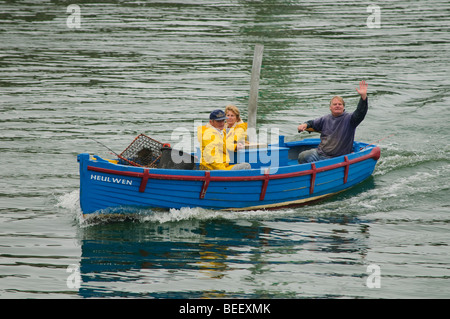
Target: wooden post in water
[(254, 87)]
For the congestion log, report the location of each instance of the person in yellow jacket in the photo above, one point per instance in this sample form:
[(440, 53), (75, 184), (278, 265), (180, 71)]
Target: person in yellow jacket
[(235, 128), (213, 144)]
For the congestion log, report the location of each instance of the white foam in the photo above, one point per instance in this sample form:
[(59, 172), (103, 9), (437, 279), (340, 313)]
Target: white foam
[(69, 201), (176, 215)]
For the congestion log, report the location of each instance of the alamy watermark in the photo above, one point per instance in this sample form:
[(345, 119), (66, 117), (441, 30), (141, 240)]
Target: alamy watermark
[(266, 157), (74, 19), (73, 280), (374, 278), (374, 19)]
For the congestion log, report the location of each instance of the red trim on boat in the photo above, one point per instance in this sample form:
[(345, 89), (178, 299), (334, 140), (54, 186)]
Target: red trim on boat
[(374, 154), (313, 177), (347, 166), (265, 183), (205, 184), (144, 180)]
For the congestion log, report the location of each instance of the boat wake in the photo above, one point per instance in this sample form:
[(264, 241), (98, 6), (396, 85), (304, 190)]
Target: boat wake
[(71, 203)]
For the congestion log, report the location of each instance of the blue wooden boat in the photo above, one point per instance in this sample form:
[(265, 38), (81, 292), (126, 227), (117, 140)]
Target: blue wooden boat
[(110, 187)]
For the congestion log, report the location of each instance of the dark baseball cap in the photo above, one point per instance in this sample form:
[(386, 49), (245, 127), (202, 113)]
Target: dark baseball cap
[(217, 115)]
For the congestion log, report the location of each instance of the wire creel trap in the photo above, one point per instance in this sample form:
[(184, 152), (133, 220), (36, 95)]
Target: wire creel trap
[(143, 151)]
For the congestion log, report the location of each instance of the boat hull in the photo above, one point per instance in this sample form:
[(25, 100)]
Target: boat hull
[(111, 188)]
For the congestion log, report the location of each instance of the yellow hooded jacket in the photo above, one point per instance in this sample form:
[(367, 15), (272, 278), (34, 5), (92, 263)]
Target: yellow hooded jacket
[(213, 145)]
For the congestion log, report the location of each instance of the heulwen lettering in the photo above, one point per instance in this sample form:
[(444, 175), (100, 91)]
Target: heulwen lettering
[(114, 180)]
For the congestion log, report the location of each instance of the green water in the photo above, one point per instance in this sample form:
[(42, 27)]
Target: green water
[(151, 67)]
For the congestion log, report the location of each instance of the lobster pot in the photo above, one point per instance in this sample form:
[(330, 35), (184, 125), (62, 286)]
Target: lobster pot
[(143, 151)]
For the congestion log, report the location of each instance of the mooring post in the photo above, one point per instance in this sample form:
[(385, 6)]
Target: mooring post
[(254, 87)]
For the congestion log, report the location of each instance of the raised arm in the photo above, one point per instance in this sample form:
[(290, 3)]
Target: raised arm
[(362, 89), (361, 111)]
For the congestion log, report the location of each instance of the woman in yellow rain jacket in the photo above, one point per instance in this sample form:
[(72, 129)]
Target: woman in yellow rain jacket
[(213, 144), (235, 128)]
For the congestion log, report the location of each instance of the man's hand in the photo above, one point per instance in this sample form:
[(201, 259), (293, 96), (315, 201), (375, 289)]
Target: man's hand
[(362, 89)]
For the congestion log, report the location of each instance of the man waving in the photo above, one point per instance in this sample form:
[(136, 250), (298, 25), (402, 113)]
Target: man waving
[(337, 130)]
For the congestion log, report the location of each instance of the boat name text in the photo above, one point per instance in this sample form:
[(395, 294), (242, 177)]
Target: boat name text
[(114, 180)]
